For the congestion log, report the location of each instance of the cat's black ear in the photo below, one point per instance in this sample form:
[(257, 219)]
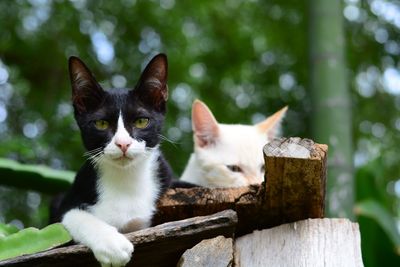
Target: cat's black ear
[(152, 86), (87, 93), (205, 126)]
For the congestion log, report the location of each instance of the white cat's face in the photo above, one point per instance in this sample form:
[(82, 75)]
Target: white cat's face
[(235, 159), (231, 155)]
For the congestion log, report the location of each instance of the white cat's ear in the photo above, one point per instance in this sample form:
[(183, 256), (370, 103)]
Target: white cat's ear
[(205, 126), (87, 94), (272, 125), (152, 87)]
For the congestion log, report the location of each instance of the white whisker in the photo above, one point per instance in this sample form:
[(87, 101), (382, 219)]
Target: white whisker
[(92, 152), (96, 157), (164, 138)]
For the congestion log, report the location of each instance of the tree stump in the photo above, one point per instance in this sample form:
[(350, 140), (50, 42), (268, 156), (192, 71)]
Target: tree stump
[(312, 242)]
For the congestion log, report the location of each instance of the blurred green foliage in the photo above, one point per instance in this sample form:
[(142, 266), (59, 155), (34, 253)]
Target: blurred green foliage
[(245, 59), (35, 177)]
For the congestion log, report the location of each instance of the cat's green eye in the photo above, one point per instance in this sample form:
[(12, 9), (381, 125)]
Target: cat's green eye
[(141, 123), (101, 124), (234, 168)]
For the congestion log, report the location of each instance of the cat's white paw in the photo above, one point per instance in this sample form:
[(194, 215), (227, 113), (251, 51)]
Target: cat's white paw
[(114, 250)]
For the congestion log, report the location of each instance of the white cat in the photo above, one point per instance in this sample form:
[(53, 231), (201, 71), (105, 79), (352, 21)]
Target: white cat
[(228, 155)]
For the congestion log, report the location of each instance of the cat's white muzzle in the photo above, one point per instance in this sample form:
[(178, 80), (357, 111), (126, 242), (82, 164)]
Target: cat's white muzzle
[(117, 157)]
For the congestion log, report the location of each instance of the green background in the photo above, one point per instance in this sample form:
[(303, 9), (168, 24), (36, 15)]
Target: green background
[(245, 59)]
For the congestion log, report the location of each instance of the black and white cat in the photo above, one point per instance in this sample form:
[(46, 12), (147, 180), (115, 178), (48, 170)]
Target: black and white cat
[(117, 188)]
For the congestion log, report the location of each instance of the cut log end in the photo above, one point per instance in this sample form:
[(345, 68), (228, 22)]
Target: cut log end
[(295, 147)]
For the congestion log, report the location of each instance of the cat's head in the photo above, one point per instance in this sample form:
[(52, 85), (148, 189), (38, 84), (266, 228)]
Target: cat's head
[(120, 126), (231, 155)]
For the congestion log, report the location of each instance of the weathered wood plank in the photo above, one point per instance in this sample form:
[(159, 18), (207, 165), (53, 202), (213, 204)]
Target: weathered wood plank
[(294, 189), (215, 252), (312, 242), (161, 245)]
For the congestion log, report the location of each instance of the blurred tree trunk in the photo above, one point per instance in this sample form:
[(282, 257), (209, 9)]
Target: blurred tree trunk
[(331, 104)]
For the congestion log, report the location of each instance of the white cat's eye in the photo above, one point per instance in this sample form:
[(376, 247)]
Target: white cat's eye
[(234, 168), (141, 123), (101, 124)]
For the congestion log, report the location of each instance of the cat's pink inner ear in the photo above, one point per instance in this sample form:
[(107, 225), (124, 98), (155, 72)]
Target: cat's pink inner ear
[(153, 82), (86, 92), (205, 126), (81, 77), (271, 125), (157, 69)]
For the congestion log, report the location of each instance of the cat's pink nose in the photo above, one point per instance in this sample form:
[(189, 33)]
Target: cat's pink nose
[(123, 145)]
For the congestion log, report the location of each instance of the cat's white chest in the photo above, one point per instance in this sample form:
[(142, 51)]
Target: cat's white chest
[(124, 197), (121, 210)]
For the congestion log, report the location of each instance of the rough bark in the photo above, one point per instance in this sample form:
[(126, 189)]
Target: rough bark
[(294, 190), (312, 242), (296, 178), (156, 246)]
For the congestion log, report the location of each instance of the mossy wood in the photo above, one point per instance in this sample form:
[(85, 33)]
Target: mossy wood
[(294, 189)]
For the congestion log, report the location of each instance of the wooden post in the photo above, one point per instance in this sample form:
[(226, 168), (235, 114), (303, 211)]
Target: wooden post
[(294, 190), (296, 178), (312, 242)]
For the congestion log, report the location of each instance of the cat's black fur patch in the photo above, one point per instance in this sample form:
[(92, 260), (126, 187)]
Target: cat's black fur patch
[(92, 103)]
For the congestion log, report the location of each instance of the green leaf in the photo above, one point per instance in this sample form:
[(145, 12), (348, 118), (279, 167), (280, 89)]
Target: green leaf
[(374, 210), (7, 229), (32, 240), (34, 177)]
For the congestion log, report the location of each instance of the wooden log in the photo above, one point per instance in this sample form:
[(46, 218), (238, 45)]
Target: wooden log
[(183, 203), (296, 179), (215, 252), (294, 189), (156, 246), (312, 242)]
